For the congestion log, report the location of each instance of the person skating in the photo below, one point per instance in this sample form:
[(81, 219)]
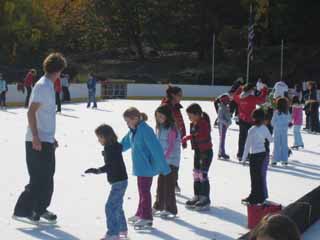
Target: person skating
[(3, 92), (247, 101), (200, 136), (256, 150), (169, 137), (173, 100), (148, 161), (117, 176), (41, 144)]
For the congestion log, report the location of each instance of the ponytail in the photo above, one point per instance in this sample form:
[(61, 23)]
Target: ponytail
[(135, 113)]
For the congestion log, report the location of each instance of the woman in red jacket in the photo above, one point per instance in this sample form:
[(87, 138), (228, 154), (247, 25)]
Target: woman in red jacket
[(58, 90), (247, 101), (172, 100)]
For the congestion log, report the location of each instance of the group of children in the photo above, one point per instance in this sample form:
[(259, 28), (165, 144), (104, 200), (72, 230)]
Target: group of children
[(155, 153)]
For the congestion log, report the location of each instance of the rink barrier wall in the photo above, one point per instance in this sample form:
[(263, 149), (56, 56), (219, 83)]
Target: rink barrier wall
[(79, 92)]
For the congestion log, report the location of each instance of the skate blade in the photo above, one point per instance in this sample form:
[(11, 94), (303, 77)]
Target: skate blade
[(190, 207), (25, 220), (168, 217), (141, 228), (202, 209)]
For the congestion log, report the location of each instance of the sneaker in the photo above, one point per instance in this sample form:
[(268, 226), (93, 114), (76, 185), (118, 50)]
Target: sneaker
[(203, 204), (133, 219), (191, 203), (49, 216)]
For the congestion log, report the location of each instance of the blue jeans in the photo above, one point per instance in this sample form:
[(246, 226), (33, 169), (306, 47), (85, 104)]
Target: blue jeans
[(92, 98), (297, 136), (116, 220)]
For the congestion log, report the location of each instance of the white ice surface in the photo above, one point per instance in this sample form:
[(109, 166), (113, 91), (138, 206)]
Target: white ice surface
[(79, 201)]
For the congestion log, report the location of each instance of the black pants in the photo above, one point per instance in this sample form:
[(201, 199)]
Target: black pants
[(66, 94), (58, 102), (314, 117), (257, 194), (233, 108), (38, 193), (29, 90), (202, 162), (3, 99), (243, 133)]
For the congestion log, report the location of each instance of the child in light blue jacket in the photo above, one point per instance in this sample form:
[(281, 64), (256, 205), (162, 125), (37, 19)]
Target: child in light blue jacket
[(170, 140), (280, 122), (148, 160)]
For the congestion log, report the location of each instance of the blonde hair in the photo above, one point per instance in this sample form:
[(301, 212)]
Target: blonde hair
[(135, 113)]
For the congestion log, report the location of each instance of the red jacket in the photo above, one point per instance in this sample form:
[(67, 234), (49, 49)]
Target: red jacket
[(28, 80), (200, 135), (247, 104), (177, 115), (57, 86)]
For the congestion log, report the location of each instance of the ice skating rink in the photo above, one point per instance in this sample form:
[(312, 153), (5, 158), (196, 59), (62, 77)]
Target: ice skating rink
[(79, 200)]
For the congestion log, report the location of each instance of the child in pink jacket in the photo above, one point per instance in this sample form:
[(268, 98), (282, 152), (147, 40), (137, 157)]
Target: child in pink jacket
[(297, 113)]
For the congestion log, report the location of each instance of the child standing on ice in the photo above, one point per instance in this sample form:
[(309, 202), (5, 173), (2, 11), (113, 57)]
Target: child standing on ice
[(224, 121), (280, 122), (258, 135), (200, 136), (117, 177), (297, 115), (148, 161), (169, 137)]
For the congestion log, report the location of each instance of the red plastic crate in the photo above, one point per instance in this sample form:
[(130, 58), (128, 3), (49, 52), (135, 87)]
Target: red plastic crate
[(257, 212)]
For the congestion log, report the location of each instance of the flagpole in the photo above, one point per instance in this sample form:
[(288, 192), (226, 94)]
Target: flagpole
[(281, 66), (213, 53), (248, 50)]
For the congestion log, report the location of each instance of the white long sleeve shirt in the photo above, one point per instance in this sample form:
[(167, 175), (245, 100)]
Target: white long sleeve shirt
[(255, 143)]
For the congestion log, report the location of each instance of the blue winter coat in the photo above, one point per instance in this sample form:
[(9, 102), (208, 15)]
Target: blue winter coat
[(147, 154)]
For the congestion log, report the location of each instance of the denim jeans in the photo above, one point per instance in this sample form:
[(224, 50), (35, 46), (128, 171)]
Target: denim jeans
[(297, 136), (116, 220), (92, 98)]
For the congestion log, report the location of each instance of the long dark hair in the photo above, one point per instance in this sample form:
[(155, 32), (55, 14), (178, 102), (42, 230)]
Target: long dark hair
[(107, 133), (173, 90), (166, 111), (282, 106), (295, 100), (197, 110)]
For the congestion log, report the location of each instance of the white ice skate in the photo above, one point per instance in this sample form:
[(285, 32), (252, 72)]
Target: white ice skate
[(143, 224)]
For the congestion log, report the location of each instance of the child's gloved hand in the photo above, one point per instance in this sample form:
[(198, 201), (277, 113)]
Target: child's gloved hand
[(290, 125), (92, 170), (184, 145)]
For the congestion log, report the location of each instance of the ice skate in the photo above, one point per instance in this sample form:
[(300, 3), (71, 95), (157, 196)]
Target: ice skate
[(224, 157), (143, 224), (203, 204), (49, 217), (167, 215), (190, 204), (34, 219), (133, 219)]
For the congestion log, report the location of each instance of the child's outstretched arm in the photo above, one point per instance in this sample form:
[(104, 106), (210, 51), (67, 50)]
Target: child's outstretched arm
[(125, 142)]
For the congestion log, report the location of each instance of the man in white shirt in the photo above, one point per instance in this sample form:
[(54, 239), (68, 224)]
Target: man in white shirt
[(40, 145)]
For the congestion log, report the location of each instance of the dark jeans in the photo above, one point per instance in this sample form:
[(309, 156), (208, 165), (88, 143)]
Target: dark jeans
[(3, 99), (257, 175), (166, 197), (58, 102), (243, 133), (314, 117), (29, 90), (38, 193), (65, 94), (202, 162), (92, 98)]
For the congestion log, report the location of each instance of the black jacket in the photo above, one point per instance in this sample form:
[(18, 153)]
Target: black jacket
[(114, 164)]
